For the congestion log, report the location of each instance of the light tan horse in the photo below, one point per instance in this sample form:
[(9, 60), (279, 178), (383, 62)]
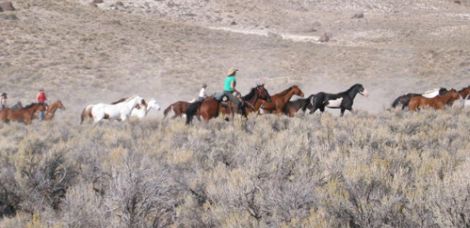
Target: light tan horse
[(438, 102)]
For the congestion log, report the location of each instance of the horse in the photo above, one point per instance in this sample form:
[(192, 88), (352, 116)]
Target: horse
[(51, 109), (438, 102), (142, 112), (179, 108), (465, 92), (120, 110), (292, 107), (24, 114), (343, 100), (280, 100), (404, 100), (252, 101), (211, 107)]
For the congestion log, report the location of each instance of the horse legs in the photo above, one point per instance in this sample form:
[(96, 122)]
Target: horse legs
[(342, 112), (313, 110)]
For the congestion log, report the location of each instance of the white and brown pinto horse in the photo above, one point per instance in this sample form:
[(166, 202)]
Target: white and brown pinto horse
[(118, 110), (140, 113)]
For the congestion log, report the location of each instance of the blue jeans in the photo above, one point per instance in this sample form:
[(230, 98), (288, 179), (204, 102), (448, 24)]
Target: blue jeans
[(42, 115), (232, 98)]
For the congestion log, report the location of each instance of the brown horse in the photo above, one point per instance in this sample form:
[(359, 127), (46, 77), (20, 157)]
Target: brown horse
[(280, 100), (438, 102), (210, 107), (292, 107), (465, 92), (179, 108), (52, 108), (24, 115)]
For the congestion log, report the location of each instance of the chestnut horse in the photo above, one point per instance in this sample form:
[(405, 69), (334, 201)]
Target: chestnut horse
[(465, 92), (179, 108), (24, 115), (51, 109), (438, 102), (210, 107), (280, 100), (404, 100)]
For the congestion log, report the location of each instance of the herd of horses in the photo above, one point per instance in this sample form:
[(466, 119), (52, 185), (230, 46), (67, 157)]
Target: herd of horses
[(257, 101)]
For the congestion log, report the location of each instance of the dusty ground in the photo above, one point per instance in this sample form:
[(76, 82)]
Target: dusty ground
[(165, 49)]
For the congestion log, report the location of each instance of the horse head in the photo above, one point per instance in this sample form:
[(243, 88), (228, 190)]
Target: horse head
[(297, 91), (359, 88), (59, 105), (263, 93)]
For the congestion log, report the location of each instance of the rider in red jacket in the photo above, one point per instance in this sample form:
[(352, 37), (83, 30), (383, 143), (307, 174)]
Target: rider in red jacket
[(41, 98)]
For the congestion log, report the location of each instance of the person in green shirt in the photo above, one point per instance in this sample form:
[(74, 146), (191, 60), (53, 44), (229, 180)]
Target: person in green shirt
[(230, 90)]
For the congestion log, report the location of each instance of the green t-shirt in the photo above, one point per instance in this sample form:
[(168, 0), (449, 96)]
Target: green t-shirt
[(228, 83)]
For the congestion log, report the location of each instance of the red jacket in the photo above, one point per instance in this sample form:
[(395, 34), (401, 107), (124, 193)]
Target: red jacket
[(41, 97)]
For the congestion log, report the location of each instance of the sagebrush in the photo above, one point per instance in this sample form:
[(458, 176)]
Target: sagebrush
[(363, 170)]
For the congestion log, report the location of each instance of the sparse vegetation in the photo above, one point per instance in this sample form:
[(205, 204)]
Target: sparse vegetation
[(391, 169)]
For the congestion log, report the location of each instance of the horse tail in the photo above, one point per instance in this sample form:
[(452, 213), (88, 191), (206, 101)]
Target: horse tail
[(192, 110), (167, 110), (396, 102), (86, 113)]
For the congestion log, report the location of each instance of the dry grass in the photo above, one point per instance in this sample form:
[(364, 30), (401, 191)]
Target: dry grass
[(391, 169)]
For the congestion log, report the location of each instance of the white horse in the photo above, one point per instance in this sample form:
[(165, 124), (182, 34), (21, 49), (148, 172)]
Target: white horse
[(141, 113), (119, 110)]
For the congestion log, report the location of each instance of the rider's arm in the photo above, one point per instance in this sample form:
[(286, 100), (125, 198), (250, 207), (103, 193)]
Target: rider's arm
[(233, 87)]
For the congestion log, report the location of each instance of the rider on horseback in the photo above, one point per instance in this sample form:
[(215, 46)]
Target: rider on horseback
[(41, 98), (202, 93), (229, 88)]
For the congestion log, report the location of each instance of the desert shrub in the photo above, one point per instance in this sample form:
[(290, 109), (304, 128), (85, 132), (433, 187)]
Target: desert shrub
[(390, 169)]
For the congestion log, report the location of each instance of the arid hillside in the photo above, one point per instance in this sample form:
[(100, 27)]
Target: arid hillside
[(165, 49), (372, 168)]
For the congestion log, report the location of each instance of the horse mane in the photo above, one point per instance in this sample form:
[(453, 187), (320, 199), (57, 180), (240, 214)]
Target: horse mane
[(353, 86), (284, 92), (250, 94), (120, 100)]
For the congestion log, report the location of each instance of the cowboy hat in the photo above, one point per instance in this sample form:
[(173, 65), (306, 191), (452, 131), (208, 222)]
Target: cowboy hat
[(232, 71)]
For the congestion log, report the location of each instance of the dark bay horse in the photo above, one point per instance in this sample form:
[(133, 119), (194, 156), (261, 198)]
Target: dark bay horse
[(179, 108), (280, 100), (404, 100), (438, 102), (292, 107), (343, 101), (24, 115), (210, 107)]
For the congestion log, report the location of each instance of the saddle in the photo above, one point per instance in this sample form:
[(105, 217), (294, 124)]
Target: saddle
[(220, 97)]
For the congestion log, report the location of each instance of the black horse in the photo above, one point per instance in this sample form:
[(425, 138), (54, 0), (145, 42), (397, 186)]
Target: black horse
[(403, 100), (343, 100)]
